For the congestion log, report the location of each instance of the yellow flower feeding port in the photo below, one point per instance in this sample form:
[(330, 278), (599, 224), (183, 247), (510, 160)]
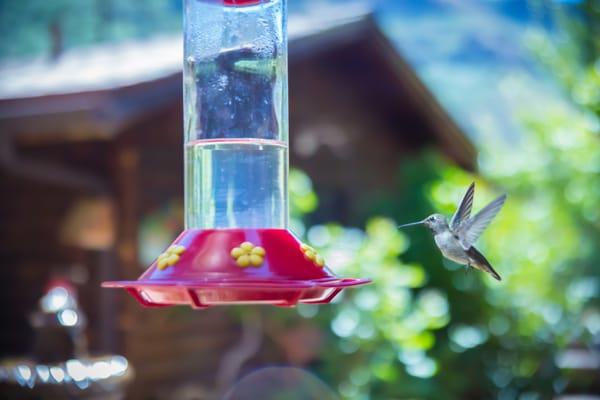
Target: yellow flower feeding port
[(248, 254)]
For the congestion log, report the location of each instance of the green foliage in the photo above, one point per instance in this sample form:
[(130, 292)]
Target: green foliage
[(544, 243), (303, 199), (425, 329)]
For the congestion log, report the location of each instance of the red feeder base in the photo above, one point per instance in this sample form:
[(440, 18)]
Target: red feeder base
[(204, 268)]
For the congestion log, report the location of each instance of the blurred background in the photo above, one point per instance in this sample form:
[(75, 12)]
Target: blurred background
[(395, 107)]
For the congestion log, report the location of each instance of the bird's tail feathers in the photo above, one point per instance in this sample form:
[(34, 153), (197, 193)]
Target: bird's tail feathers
[(482, 263)]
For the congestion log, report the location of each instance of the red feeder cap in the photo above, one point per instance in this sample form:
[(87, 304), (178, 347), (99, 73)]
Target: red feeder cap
[(242, 2), (203, 268)]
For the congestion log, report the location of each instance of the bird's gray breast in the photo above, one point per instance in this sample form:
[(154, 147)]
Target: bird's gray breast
[(451, 247)]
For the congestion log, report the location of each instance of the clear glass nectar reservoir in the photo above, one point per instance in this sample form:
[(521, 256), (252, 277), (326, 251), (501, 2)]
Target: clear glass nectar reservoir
[(236, 117)]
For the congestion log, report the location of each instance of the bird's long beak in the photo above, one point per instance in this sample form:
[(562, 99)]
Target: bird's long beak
[(411, 224)]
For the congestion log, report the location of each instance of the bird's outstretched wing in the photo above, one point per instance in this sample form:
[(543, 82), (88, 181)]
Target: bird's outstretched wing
[(472, 228), (463, 212)]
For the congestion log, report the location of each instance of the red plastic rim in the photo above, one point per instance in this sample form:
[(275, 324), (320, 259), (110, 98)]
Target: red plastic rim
[(239, 3), (241, 284)]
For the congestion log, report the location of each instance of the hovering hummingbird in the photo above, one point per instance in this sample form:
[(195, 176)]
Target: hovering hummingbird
[(455, 239)]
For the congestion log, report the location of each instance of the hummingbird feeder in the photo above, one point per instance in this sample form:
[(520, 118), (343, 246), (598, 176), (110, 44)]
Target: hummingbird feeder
[(236, 248)]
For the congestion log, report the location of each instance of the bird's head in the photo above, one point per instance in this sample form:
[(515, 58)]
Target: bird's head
[(436, 222)]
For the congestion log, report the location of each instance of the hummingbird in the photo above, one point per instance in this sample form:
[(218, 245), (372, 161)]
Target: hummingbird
[(455, 239)]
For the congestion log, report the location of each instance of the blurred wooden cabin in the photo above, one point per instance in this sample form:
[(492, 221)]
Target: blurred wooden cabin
[(91, 166)]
